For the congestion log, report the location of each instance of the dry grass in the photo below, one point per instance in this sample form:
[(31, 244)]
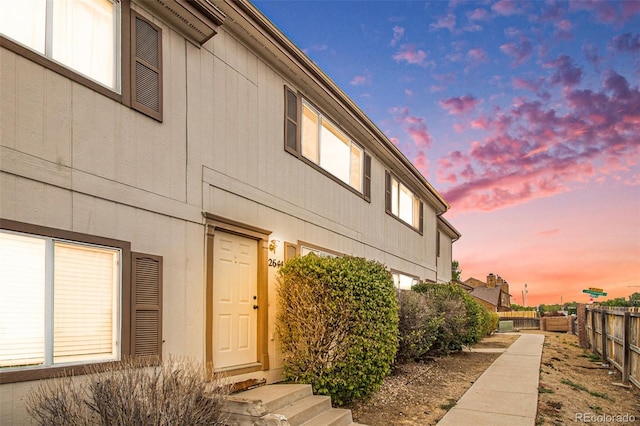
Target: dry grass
[(132, 393)]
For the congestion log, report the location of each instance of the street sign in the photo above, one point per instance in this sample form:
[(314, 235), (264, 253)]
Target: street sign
[(594, 293), (596, 290)]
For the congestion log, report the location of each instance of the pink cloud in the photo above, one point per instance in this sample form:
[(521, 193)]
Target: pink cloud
[(398, 33), (625, 43), (460, 105), (448, 21), (591, 53), (409, 54), (533, 151), (415, 127), (520, 52), (421, 162), (478, 55), (563, 30), (605, 11), (506, 8), (479, 15), (567, 74), (521, 83), (630, 9), (359, 80)]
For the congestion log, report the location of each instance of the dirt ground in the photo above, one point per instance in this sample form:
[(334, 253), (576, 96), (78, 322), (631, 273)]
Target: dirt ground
[(575, 387), (572, 384)]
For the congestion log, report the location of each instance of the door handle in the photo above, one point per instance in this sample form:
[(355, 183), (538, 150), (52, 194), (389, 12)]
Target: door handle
[(255, 306)]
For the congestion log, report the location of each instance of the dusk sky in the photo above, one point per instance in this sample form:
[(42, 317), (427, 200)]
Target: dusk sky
[(525, 116)]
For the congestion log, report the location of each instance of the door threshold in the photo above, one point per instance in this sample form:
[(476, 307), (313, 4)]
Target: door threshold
[(240, 369)]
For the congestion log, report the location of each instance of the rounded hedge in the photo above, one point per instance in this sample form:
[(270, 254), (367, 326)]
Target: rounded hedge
[(337, 324), (465, 321)]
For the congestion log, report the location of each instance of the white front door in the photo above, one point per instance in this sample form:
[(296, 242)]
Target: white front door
[(235, 279)]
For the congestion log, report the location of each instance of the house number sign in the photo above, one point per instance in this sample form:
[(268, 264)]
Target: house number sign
[(274, 263)]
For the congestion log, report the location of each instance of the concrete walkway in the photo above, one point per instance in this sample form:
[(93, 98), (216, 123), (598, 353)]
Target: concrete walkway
[(507, 392)]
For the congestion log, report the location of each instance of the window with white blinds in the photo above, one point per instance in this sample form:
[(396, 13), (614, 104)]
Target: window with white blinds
[(80, 34), (59, 301)]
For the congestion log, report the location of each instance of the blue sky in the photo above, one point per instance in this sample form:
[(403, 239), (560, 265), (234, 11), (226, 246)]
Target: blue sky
[(525, 115)]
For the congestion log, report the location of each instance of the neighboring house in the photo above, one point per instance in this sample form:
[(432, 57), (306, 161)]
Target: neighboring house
[(494, 294), (158, 165)]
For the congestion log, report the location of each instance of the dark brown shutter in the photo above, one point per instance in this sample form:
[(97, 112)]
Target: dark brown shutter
[(387, 191), (437, 243), (290, 251), (421, 218), (366, 191), (291, 121), (146, 315), (146, 67)]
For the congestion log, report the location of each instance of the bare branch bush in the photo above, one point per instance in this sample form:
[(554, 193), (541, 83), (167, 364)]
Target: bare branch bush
[(133, 392)]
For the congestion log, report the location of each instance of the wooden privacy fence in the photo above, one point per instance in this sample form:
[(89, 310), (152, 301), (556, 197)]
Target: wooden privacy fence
[(517, 314), (524, 323), (615, 335)]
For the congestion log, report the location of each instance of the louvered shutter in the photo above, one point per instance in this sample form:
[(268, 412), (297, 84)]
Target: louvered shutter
[(146, 67), (387, 190), (366, 191), (291, 122), (421, 218), (146, 316)]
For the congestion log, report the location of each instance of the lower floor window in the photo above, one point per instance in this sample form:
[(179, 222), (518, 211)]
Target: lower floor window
[(59, 301), (404, 282)]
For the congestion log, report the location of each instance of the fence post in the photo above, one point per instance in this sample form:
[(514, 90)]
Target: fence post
[(593, 343), (583, 337), (603, 328), (626, 350)]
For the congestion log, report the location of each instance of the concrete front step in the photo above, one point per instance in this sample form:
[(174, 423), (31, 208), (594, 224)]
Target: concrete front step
[(305, 409), (332, 417), (266, 399), (284, 405)]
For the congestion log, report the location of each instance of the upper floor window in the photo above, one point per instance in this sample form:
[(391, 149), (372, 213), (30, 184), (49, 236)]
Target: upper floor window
[(312, 136), (402, 203), (80, 34), (325, 145), (101, 44)]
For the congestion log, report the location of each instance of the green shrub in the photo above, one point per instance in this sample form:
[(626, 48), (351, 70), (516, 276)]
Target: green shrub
[(337, 324), (418, 326), (464, 321), (132, 393), (493, 322)]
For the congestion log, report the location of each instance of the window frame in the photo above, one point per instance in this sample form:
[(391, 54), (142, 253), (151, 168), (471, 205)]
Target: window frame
[(389, 203), (293, 141), (125, 75), (17, 374)]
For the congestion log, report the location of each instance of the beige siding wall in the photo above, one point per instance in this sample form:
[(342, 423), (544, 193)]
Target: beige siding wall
[(445, 259), (244, 155), (73, 159)]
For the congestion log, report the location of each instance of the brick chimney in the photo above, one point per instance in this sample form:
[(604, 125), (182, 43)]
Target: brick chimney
[(491, 281), (499, 280)]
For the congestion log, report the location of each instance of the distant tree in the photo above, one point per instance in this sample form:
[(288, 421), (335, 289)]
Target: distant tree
[(634, 299), (456, 272), (548, 309), (517, 307), (618, 301)]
